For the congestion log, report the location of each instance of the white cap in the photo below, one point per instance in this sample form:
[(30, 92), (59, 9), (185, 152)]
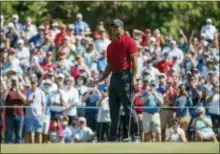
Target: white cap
[(14, 77), (66, 38), (200, 109), (208, 20), (48, 81), (15, 16), (10, 25), (41, 27), (173, 42), (82, 119), (203, 35), (20, 41), (35, 59), (60, 75), (152, 39), (55, 24), (79, 15)]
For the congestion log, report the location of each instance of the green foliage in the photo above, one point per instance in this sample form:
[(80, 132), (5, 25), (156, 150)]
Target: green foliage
[(169, 17)]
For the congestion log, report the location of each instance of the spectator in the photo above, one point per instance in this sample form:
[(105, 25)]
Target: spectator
[(85, 134), (175, 133), (48, 63), (209, 30), (102, 43), (102, 62), (14, 96), (203, 126), (59, 39), (73, 99), (151, 100), (29, 30), (81, 27), (67, 133), (167, 113), (35, 112), (17, 25), (55, 29), (74, 127), (55, 131), (175, 52), (98, 31), (182, 103), (158, 37), (153, 72), (146, 38), (103, 117), (12, 34)]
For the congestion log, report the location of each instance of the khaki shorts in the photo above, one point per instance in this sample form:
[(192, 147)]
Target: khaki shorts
[(166, 118), (151, 122)]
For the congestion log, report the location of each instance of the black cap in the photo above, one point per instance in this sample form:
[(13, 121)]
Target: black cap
[(117, 22)]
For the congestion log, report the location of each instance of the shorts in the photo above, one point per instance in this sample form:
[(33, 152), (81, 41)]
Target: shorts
[(167, 116), (151, 122), (46, 125), (207, 135), (34, 124)]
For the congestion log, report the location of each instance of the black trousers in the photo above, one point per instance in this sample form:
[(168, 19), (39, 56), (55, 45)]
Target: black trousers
[(102, 132), (120, 94)]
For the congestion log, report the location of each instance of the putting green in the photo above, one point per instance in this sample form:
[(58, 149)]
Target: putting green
[(113, 148)]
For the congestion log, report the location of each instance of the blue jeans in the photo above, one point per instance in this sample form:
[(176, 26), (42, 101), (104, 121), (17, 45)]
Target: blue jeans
[(14, 124)]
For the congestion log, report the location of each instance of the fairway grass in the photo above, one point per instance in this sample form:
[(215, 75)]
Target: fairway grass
[(113, 148)]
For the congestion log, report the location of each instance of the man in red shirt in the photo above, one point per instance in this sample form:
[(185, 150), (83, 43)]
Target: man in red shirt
[(122, 63), (48, 62), (59, 40), (165, 65)]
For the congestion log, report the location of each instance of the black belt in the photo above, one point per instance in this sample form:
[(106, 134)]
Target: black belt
[(120, 72)]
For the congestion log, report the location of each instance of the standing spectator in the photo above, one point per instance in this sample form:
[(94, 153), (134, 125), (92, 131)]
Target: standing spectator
[(209, 30), (55, 29), (73, 99), (203, 126), (15, 20), (12, 34), (176, 52), (48, 63), (81, 27), (146, 38), (102, 62), (183, 102), (151, 117), (59, 39), (102, 43), (153, 72), (213, 109), (47, 115), (14, 96), (158, 37), (175, 133), (35, 112), (99, 28), (23, 54), (103, 117), (167, 113), (29, 30)]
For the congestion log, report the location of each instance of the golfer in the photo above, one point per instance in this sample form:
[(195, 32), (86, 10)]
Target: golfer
[(122, 63)]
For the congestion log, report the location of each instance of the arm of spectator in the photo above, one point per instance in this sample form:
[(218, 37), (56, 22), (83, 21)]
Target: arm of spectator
[(191, 36), (182, 136), (198, 92), (85, 96), (183, 35), (22, 95), (208, 122), (158, 98)]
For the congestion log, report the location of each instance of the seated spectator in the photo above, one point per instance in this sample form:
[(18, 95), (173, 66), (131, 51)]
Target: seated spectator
[(203, 126), (175, 133), (67, 133), (74, 127), (85, 133), (55, 131)]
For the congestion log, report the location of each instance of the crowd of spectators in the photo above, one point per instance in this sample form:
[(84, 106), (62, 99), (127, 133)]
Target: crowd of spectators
[(48, 95)]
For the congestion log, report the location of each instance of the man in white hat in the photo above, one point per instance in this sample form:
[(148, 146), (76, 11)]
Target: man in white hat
[(55, 29), (29, 29), (175, 52), (15, 20), (209, 30), (81, 27), (12, 34)]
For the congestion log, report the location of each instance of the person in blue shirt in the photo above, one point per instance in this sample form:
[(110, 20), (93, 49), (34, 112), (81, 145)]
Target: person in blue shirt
[(183, 102), (81, 27), (202, 125), (101, 62), (151, 101)]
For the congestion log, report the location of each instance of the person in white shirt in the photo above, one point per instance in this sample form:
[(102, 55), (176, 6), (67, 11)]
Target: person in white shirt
[(29, 30), (175, 52), (103, 118), (153, 72), (102, 43), (175, 133), (55, 30), (73, 99), (213, 101), (209, 30), (35, 113), (23, 54)]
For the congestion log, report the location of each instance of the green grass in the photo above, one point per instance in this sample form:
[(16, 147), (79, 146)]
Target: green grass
[(113, 148)]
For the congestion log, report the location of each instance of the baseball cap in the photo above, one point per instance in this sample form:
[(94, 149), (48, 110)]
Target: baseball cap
[(203, 35), (70, 26), (14, 77), (61, 75), (208, 20), (152, 39), (15, 16), (10, 25), (102, 29), (20, 41), (82, 119), (79, 15), (200, 109), (146, 79), (162, 75), (34, 78), (47, 82), (55, 24), (41, 27), (66, 38), (117, 22), (173, 42)]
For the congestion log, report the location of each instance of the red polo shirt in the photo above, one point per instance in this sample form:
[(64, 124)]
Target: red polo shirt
[(118, 53), (13, 99)]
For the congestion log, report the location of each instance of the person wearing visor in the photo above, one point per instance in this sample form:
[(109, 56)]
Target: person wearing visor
[(122, 63)]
